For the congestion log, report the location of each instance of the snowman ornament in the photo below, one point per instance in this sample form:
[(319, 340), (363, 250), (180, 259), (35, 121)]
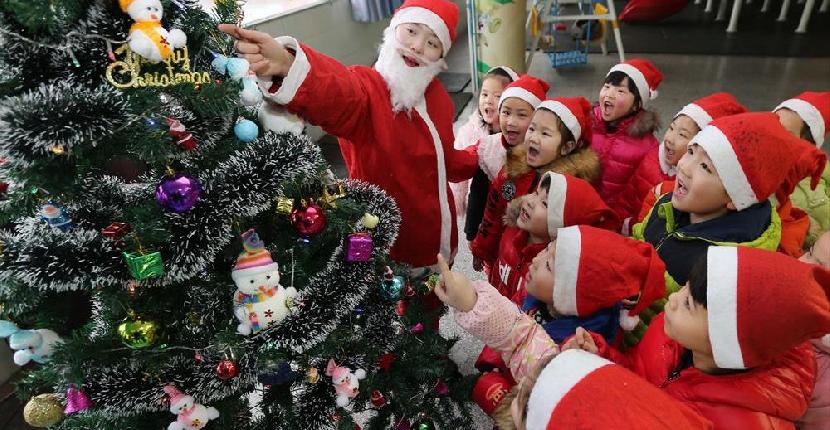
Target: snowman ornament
[(147, 36), (189, 414), (259, 300)]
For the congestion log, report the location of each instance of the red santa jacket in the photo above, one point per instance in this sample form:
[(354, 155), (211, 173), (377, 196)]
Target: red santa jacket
[(410, 155), (620, 153), (516, 179), (771, 397)]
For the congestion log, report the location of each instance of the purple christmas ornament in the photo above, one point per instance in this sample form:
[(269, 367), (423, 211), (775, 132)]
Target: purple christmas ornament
[(417, 329), (178, 193), (76, 401)]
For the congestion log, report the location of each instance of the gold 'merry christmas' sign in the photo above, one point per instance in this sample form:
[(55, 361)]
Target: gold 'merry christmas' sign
[(126, 73)]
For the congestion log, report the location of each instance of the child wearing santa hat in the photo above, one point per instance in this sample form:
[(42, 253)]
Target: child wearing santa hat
[(660, 166), (723, 184), (577, 280), (818, 414), (572, 391), (719, 347), (556, 141), (516, 106), (623, 130), (470, 195), (808, 117)]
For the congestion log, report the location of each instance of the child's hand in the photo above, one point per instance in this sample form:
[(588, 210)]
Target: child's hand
[(266, 56), (581, 340), (478, 264), (454, 288)]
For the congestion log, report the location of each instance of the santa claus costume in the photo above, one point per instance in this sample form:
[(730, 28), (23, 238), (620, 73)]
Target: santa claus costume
[(394, 125)]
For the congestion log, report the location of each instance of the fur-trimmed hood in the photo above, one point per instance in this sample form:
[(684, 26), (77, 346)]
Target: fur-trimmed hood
[(582, 163), (638, 125)]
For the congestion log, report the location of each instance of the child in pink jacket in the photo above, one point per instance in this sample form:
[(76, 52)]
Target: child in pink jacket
[(623, 131), (818, 414)]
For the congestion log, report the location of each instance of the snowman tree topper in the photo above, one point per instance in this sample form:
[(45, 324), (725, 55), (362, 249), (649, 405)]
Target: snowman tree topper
[(147, 37)]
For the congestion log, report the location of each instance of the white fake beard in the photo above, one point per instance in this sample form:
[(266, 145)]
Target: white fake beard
[(406, 84)]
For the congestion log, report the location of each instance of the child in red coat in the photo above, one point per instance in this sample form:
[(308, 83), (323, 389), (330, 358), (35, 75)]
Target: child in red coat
[(556, 141), (732, 344)]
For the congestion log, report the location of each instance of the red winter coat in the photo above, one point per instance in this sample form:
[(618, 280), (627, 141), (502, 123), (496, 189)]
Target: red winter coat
[(620, 154), (516, 179), (648, 175), (513, 262), (410, 155), (770, 397)]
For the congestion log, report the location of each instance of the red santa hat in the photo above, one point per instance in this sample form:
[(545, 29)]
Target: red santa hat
[(489, 391), (507, 71), (575, 113), (572, 201), (755, 157), (441, 16), (746, 289), (702, 111), (814, 110), (580, 390), (527, 88), (646, 77), (595, 269)]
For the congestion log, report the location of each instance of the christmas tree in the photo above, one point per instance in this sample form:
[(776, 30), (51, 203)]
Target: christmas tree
[(161, 252)]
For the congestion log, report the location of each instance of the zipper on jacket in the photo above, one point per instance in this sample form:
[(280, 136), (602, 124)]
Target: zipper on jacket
[(672, 377)]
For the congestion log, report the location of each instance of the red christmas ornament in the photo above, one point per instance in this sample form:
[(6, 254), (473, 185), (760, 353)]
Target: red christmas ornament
[(385, 361), (403, 424), (400, 308), (335, 417), (226, 369), (378, 400), (3, 187), (309, 219), (357, 427), (116, 230), (441, 388)]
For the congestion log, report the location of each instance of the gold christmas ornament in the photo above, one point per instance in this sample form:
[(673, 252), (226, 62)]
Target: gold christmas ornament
[(137, 333), (43, 410), (285, 205), (312, 375), (126, 71), (57, 149)]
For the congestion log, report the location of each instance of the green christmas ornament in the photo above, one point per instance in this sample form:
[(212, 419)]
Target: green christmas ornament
[(425, 425), (137, 333), (144, 266)]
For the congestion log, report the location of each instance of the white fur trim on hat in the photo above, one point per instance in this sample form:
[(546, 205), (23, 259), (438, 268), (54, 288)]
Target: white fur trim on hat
[(731, 173), (697, 114), (566, 268), (565, 115), (419, 15), (809, 114), (295, 77), (520, 93), (256, 270), (639, 80), (555, 381), (556, 202), (510, 72), (722, 306)]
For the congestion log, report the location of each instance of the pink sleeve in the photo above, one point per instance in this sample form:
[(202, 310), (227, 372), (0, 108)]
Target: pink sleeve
[(500, 324)]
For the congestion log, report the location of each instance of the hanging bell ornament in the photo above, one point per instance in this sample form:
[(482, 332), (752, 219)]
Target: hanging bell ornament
[(378, 400), (417, 329), (226, 369), (432, 281), (369, 221), (43, 410), (76, 401), (144, 266), (137, 333), (441, 388), (403, 424), (285, 205)]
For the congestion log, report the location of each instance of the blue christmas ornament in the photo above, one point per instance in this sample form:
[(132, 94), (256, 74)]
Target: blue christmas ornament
[(391, 289), (55, 216), (246, 130), (220, 63), (237, 68), (151, 122)]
